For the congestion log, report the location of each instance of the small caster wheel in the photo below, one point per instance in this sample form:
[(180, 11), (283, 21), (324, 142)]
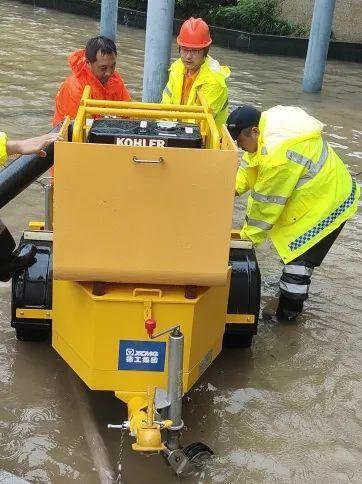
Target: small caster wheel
[(198, 454)]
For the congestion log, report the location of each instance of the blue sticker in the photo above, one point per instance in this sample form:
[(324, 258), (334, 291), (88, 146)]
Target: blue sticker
[(141, 355)]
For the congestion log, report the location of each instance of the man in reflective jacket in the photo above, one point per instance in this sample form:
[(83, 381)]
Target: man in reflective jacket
[(14, 260), (301, 193), (94, 66), (197, 71)]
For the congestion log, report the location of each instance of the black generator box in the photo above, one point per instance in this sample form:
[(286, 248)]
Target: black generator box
[(125, 132)]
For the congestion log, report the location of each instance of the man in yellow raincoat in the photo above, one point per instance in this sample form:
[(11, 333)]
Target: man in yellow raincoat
[(12, 260), (197, 71), (301, 194)]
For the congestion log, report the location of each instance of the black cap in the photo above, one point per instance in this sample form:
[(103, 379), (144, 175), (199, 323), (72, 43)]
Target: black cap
[(241, 118)]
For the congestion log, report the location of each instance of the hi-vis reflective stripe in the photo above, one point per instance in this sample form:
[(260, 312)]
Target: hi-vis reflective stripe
[(313, 168), (300, 159), (259, 197), (264, 151), (293, 288), (307, 236), (297, 270), (2, 226), (167, 91), (258, 223)]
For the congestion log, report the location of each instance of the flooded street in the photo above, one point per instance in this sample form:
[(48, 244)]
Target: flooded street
[(286, 411)]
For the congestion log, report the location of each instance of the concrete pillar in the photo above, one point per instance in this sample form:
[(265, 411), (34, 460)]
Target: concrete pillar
[(158, 48), (318, 45), (109, 12)]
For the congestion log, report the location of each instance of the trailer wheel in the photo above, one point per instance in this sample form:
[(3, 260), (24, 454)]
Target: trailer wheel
[(27, 334), (234, 340), (198, 453)]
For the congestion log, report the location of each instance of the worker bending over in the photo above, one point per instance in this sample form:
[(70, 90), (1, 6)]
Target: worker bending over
[(197, 71), (301, 194)]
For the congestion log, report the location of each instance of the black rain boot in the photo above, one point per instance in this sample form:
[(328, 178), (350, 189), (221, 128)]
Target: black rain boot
[(7, 243), (273, 316), (284, 311), (11, 262)]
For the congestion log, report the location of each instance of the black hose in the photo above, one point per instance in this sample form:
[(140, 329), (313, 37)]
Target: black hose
[(23, 171)]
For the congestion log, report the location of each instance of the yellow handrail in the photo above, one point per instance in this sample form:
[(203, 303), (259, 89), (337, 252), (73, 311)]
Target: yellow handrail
[(94, 107), (79, 122), (138, 105), (63, 132), (140, 113), (203, 101), (86, 96)]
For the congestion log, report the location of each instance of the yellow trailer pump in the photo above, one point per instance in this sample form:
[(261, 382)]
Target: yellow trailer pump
[(135, 258)]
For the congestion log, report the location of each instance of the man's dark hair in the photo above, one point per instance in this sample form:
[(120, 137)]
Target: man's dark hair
[(96, 44), (247, 131)]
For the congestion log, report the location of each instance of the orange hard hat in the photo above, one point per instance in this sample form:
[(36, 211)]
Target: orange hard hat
[(194, 33)]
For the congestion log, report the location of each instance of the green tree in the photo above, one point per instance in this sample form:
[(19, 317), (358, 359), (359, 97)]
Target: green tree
[(257, 16)]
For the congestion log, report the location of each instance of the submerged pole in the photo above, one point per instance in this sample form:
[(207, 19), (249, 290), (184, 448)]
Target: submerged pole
[(109, 12), (318, 44), (158, 48)]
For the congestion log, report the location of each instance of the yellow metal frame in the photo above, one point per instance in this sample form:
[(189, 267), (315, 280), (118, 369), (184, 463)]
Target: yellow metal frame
[(90, 346), (141, 413), (199, 114), (36, 225), (64, 128), (26, 313), (240, 318)]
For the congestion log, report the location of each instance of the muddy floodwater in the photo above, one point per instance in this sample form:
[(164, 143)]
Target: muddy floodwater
[(286, 411)]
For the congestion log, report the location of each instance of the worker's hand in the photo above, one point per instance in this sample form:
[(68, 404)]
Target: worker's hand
[(32, 145)]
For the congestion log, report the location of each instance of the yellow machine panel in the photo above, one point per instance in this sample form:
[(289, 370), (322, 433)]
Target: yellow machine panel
[(142, 222), (88, 329)]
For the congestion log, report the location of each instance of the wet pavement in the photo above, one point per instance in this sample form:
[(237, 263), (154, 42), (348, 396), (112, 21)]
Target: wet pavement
[(286, 411)]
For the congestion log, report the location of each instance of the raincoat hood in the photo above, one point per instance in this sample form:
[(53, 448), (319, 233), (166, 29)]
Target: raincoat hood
[(221, 73), (281, 127), (77, 62), (71, 90), (282, 123)]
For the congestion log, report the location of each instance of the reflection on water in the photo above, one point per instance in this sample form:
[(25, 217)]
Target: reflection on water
[(287, 410)]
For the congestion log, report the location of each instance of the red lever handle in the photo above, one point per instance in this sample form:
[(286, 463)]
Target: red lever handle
[(150, 325)]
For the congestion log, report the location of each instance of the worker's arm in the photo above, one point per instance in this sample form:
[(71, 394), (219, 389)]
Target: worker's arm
[(268, 199), (26, 146), (216, 97), (167, 93), (67, 100), (245, 179)]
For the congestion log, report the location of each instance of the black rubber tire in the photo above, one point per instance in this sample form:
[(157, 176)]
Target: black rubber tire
[(27, 334), (238, 340), (197, 451)]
